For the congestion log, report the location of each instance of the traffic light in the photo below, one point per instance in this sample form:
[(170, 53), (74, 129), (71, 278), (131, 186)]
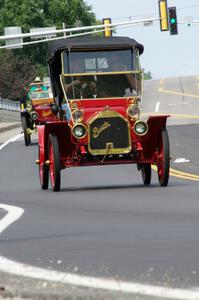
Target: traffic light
[(107, 29), (173, 25), (164, 24)]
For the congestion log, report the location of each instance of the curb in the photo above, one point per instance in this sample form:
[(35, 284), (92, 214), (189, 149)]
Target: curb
[(9, 127)]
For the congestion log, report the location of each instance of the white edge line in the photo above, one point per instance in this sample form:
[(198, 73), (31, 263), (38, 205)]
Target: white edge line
[(157, 107), (19, 269), (24, 270), (11, 140)]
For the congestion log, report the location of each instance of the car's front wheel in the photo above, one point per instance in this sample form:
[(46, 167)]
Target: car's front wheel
[(43, 173), (54, 162), (146, 173)]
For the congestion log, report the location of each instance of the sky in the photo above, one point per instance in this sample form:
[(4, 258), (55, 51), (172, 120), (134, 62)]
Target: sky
[(164, 55)]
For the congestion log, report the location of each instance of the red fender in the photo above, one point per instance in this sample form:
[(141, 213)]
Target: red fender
[(41, 138)]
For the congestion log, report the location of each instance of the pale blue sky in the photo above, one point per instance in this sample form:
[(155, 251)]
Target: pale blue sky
[(164, 55)]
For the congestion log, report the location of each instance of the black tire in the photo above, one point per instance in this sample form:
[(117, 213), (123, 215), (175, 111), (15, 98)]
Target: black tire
[(27, 138), (55, 166), (164, 166), (146, 173), (43, 175)]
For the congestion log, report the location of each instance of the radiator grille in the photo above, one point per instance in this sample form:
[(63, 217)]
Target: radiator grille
[(109, 132)]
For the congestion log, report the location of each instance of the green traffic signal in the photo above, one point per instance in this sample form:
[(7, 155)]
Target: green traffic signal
[(173, 21)]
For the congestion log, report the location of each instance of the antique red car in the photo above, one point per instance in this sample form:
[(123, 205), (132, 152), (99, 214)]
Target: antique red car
[(37, 111), (97, 84)]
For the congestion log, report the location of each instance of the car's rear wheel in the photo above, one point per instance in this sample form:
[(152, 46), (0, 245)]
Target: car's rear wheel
[(163, 162), (146, 173), (27, 138), (43, 173), (54, 162)]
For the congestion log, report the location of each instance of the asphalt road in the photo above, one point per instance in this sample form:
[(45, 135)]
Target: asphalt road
[(104, 222)]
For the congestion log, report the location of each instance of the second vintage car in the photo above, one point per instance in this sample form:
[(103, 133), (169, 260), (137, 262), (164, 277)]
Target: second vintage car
[(39, 109)]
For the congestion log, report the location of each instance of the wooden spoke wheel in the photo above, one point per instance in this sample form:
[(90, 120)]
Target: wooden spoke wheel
[(43, 173), (54, 165), (163, 162), (27, 138), (146, 173)]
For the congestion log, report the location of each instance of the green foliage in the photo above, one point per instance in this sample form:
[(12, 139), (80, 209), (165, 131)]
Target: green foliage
[(147, 75), (68, 11), (36, 13), (15, 75)]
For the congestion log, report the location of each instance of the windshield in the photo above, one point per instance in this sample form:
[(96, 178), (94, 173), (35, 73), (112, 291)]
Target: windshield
[(99, 74), (39, 95), (100, 61)]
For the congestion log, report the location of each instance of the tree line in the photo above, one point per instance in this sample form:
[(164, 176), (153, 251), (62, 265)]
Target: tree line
[(18, 67)]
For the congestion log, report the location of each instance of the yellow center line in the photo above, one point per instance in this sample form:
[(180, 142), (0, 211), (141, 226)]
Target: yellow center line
[(183, 177), (162, 90), (171, 115), (179, 174), (184, 116), (184, 173)]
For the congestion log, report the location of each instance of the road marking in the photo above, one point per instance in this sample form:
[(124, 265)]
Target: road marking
[(162, 90), (24, 270), (157, 107), (13, 214), (185, 116), (180, 174), (11, 140), (190, 175), (176, 104), (180, 116)]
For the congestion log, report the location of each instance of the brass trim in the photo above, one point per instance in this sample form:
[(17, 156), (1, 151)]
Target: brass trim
[(80, 118), (142, 134), (106, 113), (42, 101), (109, 114), (100, 73), (101, 98), (34, 113), (134, 116), (81, 124)]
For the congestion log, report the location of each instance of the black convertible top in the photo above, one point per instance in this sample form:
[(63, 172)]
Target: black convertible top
[(88, 43), (80, 44)]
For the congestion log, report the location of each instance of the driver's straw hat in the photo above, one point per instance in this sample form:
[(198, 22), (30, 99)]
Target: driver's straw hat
[(37, 79)]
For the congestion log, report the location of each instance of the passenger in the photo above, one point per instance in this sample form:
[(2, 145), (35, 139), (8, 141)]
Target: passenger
[(118, 84)]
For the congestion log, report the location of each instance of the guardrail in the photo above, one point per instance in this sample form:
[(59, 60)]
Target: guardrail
[(9, 105)]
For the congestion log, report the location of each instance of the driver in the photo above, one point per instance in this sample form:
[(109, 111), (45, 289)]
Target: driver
[(80, 86)]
